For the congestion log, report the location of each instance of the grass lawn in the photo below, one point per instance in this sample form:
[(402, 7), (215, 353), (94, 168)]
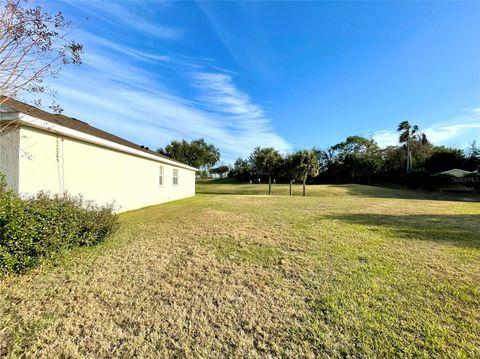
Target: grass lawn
[(349, 271)]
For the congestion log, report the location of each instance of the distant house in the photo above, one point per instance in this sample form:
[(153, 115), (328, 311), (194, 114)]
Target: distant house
[(456, 180), (40, 151)]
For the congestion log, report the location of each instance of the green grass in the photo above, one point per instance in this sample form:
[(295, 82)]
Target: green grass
[(349, 271), (231, 186)]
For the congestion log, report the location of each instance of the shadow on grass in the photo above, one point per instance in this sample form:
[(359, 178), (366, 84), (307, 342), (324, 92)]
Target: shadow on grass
[(219, 181), (327, 190), (201, 191), (385, 192), (461, 229)]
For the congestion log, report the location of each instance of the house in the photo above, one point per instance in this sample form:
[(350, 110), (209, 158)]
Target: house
[(40, 151), (456, 180)]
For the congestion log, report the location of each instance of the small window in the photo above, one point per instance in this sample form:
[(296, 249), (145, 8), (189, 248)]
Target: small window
[(175, 176), (160, 176)]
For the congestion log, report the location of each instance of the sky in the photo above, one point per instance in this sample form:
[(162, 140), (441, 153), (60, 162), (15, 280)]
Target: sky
[(285, 74)]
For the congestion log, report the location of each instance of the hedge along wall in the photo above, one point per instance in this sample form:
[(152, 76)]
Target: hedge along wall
[(36, 227)]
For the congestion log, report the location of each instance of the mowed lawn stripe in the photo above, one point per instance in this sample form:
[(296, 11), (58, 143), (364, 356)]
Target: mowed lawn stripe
[(348, 271)]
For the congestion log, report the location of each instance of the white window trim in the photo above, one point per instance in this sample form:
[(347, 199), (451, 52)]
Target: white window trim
[(161, 175), (175, 177)]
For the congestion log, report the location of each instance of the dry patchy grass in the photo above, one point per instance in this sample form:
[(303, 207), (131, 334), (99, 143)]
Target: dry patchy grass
[(337, 274)]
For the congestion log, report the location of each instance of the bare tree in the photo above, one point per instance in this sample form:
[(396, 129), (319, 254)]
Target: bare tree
[(34, 45)]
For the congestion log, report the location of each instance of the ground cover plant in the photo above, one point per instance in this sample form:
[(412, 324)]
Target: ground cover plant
[(348, 271)]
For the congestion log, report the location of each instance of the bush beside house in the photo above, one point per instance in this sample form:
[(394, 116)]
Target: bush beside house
[(36, 227)]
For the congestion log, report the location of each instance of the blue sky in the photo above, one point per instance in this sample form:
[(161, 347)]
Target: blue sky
[(282, 74)]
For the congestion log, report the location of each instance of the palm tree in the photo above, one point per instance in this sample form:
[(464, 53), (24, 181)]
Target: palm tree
[(307, 164), (266, 161), (407, 134), (241, 167), (291, 169)]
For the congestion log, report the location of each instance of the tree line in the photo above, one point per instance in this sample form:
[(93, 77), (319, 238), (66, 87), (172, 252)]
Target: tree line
[(357, 159), (361, 160), (268, 162), (263, 162)]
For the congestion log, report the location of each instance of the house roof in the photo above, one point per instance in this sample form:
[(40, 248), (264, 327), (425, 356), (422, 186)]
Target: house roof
[(455, 172), (77, 125)]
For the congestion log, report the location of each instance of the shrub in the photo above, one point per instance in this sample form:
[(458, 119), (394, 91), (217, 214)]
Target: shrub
[(36, 227), (418, 179)]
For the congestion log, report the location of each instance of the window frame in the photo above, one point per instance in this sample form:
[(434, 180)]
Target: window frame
[(175, 176), (161, 176)]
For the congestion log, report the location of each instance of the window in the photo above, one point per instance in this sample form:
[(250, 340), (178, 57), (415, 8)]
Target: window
[(175, 176), (160, 176)]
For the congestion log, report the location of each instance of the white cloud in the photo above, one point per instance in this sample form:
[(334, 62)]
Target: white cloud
[(472, 110), (446, 131), (452, 132), (244, 54), (117, 15), (102, 43), (221, 32), (385, 138), (115, 91), (246, 119)]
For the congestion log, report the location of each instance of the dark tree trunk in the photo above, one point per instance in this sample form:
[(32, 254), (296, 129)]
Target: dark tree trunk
[(304, 185), (269, 185), (290, 187)]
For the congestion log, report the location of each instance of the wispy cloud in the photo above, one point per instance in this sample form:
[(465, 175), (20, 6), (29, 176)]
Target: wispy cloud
[(117, 15), (246, 120), (385, 138), (241, 51), (130, 92), (221, 32), (441, 133), (98, 43)]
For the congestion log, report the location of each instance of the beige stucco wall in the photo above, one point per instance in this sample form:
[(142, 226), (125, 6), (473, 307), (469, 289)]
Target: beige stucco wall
[(55, 163), (9, 155)]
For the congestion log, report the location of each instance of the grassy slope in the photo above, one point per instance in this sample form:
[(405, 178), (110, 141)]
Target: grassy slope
[(351, 270)]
